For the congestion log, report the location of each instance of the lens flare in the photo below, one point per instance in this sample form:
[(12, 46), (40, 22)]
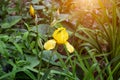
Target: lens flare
[(86, 4)]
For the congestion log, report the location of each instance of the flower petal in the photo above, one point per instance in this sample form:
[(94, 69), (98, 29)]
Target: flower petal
[(69, 47), (60, 35), (32, 11), (50, 44)]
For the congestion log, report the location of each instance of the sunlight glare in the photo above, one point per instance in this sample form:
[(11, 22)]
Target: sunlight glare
[(86, 4)]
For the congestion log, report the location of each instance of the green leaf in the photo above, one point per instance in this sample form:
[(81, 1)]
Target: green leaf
[(10, 21), (45, 76), (62, 73), (6, 75), (32, 44), (12, 73), (25, 35), (3, 49), (33, 60), (18, 47), (39, 41), (42, 29), (4, 37), (51, 57), (30, 74), (22, 63)]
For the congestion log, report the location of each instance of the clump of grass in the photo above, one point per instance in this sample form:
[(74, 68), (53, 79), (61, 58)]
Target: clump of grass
[(22, 38)]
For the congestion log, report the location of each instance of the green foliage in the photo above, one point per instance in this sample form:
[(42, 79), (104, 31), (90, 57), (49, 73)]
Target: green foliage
[(107, 36), (10, 21), (22, 38)]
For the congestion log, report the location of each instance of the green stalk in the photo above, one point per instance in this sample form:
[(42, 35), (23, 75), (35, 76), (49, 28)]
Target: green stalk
[(95, 61), (108, 69), (36, 24), (81, 64), (73, 65)]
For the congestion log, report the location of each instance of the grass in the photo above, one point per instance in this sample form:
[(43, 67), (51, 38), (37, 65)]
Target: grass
[(22, 55)]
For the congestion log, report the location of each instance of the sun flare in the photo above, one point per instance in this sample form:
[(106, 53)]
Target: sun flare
[(86, 4)]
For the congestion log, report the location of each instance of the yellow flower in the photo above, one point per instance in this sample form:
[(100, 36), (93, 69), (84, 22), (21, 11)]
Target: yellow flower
[(69, 47), (50, 44), (60, 35), (32, 11)]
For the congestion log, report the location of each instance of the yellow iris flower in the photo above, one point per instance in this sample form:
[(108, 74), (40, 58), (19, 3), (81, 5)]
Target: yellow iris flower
[(60, 37), (32, 11)]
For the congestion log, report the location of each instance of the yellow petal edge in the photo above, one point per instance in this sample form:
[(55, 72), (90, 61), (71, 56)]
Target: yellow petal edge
[(69, 47), (50, 44)]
